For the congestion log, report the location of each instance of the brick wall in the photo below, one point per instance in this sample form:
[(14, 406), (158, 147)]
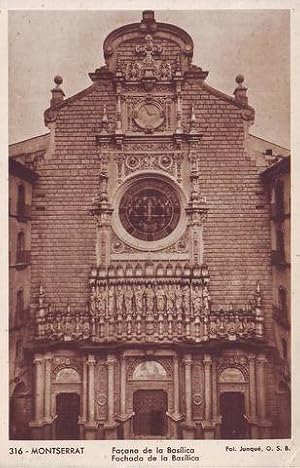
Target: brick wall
[(236, 235)]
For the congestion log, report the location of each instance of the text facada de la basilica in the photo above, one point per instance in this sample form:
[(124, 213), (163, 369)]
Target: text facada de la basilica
[(153, 311)]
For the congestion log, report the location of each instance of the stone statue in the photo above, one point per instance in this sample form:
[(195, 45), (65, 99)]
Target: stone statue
[(160, 298), (111, 301), (149, 296), (128, 295), (197, 300), (138, 294), (93, 298), (178, 299), (101, 301), (170, 298), (119, 299), (206, 299)]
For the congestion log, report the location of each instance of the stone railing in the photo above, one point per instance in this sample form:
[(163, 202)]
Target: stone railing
[(150, 309)]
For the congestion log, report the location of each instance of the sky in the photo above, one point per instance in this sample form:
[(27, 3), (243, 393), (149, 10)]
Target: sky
[(255, 43)]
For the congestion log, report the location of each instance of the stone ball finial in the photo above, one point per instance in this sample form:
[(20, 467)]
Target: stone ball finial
[(240, 79), (58, 80)]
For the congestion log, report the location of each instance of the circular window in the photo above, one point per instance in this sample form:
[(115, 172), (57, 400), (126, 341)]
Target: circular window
[(149, 209)]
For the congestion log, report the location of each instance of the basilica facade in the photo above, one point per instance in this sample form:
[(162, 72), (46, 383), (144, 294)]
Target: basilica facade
[(151, 311)]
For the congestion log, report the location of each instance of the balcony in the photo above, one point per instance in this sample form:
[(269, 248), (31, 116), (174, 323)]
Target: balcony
[(169, 308)]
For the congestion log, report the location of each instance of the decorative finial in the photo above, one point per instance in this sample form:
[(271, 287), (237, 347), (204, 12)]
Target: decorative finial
[(240, 79), (57, 92), (58, 80), (240, 92)]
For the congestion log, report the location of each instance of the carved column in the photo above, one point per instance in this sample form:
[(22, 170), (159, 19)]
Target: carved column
[(207, 387), (260, 388), (111, 425), (123, 386), (214, 391), (110, 388), (252, 395), (84, 391), (91, 388), (176, 387), (188, 387), (39, 387), (48, 359)]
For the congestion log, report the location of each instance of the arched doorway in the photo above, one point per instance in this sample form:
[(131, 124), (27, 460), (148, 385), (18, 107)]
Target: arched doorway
[(20, 413), (232, 390), (150, 400), (67, 410), (150, 407), (67, 404)]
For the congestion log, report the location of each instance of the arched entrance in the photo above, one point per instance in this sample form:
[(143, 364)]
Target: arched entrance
[(67, 404), (150, 400), (233, 395), (67, 410), (150, 407), (20, 413)]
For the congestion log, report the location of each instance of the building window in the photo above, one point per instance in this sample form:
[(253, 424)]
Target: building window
[(282, 302), (279, 199), (20, 306), (20, 247), (21, 201)]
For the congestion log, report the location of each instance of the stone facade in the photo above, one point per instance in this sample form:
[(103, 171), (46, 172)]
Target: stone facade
[(151, 279)]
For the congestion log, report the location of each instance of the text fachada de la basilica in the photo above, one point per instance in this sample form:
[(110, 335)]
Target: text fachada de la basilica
[(154, 301)]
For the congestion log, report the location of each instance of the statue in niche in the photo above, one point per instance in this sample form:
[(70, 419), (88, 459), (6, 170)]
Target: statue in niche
[(128, 295), (206, 299), (197, 300), (111, 300), (93, 299), (101, 301), (119, 299), (170, 298), (178, 299), (186, 299), (160, 298), (149, 296), (138, 294)]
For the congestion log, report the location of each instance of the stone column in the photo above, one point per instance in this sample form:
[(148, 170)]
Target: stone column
[(176, 387), (215, 402), (188, 387), (123, 386), (39, 387), (188, 428), (263, 423), (207, 362), (37, 425), (111, 425), (91, 388), (48, 359), (84, 391), (260, 388), (111, 388), (252, 396), (208, 427)]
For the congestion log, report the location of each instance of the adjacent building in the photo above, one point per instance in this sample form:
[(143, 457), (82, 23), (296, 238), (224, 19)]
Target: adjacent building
[(156, 283)]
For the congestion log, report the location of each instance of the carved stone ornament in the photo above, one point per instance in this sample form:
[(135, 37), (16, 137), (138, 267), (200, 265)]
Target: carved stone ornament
[(197, 399), (148, 115)]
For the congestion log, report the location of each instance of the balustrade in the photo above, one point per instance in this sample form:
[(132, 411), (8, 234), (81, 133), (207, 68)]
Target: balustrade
[(150, 309)]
